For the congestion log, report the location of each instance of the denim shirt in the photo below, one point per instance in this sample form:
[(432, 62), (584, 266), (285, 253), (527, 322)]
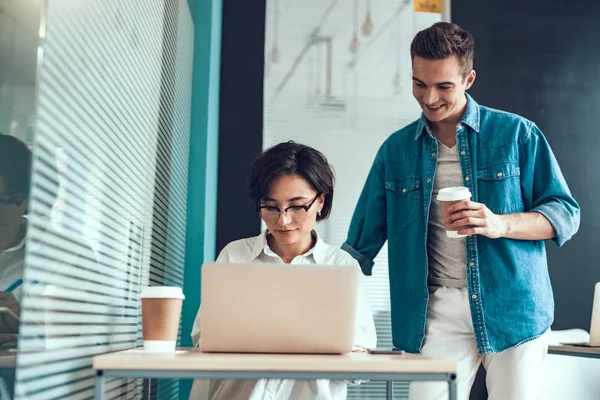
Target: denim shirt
[(507, 165)]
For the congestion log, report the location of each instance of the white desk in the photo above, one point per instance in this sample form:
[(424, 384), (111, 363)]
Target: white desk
[(575, 351), (191, 363)]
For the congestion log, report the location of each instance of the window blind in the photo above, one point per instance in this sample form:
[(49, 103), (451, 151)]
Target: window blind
[(109, 188)]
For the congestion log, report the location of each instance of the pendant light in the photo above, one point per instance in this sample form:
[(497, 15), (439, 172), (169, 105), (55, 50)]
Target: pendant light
[(397, 80), (367, 27), (354, 43), (274, 53)]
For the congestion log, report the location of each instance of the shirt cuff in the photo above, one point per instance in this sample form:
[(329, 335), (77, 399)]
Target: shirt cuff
[(366, 264), (559, 218)]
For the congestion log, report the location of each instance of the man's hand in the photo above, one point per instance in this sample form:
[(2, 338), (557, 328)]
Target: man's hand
[(471, 218)]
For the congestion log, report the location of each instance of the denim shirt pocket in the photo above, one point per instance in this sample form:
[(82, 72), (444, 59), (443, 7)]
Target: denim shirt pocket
[(499, 188), (403, 201)]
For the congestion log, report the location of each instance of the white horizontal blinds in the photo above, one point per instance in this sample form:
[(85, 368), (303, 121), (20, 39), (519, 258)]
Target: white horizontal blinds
[(182, 43), (170, 201), (98, 142), (346, 105), (173, 151)]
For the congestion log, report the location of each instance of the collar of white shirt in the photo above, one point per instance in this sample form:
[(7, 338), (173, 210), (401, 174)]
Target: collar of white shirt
[(318, 251)]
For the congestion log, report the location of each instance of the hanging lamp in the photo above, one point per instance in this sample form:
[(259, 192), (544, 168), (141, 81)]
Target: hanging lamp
[(367, 27), (355, 43), (274, 53)]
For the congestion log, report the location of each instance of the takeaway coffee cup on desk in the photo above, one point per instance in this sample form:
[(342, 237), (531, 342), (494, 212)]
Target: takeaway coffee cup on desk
[(161, 310), (448, 196)]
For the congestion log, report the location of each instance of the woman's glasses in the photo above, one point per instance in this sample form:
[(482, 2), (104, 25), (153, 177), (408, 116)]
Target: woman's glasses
[(295, 213)]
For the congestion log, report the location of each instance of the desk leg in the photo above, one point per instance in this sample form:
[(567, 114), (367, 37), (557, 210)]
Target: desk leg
[(389, 390), (452, 390), (147, 389), (99, 387)]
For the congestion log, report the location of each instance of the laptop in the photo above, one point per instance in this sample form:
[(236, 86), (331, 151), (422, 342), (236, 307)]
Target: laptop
[(278, 308), (595, 323)]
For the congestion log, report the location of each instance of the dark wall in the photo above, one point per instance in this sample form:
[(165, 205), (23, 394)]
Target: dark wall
[(241, 116), (541, 59)]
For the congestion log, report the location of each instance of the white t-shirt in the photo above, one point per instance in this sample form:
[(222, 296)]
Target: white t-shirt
[(257, 250)]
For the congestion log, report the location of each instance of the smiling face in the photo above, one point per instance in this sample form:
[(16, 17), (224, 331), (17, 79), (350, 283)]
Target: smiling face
[(439, 87), (288, 191)]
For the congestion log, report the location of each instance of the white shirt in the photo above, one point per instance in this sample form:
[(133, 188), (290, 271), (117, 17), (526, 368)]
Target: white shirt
[(12, 265), (257, 250)]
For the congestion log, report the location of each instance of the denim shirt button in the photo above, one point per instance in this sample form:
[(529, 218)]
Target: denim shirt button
[(467, 178), (428, 180), (432, 154), (474, 297), (462, 153), (471, 264)]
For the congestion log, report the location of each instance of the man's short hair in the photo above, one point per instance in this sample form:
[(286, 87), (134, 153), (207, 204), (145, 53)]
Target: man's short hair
[(15, 165), (291, 158), (443, 40)]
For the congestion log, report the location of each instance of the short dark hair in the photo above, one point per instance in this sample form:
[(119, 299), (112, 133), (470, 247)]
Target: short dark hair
[(291, 158), (15, 165), (443, 40)]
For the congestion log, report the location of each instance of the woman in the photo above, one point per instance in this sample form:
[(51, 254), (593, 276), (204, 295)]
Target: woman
[(292, 186)]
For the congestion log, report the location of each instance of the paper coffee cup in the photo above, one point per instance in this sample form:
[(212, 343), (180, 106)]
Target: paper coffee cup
[(449, 196), (161, 310)]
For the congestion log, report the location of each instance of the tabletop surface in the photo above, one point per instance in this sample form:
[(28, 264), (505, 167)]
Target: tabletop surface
[(193, 359), (565, 348)]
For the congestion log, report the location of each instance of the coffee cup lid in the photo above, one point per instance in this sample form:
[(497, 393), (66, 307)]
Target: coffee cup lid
[(162, 292), (454, 194)]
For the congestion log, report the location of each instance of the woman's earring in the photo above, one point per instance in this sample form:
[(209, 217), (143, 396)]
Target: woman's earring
[(319, 213)]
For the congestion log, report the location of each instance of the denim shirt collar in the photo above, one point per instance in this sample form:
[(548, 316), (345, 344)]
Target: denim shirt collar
[(470, 118)]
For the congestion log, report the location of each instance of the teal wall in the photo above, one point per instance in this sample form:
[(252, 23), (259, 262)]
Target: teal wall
[(204, 141)]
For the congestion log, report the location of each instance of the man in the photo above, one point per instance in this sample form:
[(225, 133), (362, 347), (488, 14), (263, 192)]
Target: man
[(15, 168), (15, 180), (485, 298)]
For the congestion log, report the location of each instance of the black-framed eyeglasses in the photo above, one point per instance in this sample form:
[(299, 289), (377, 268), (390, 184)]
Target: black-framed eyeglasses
[(295, 213), (11, 200)]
